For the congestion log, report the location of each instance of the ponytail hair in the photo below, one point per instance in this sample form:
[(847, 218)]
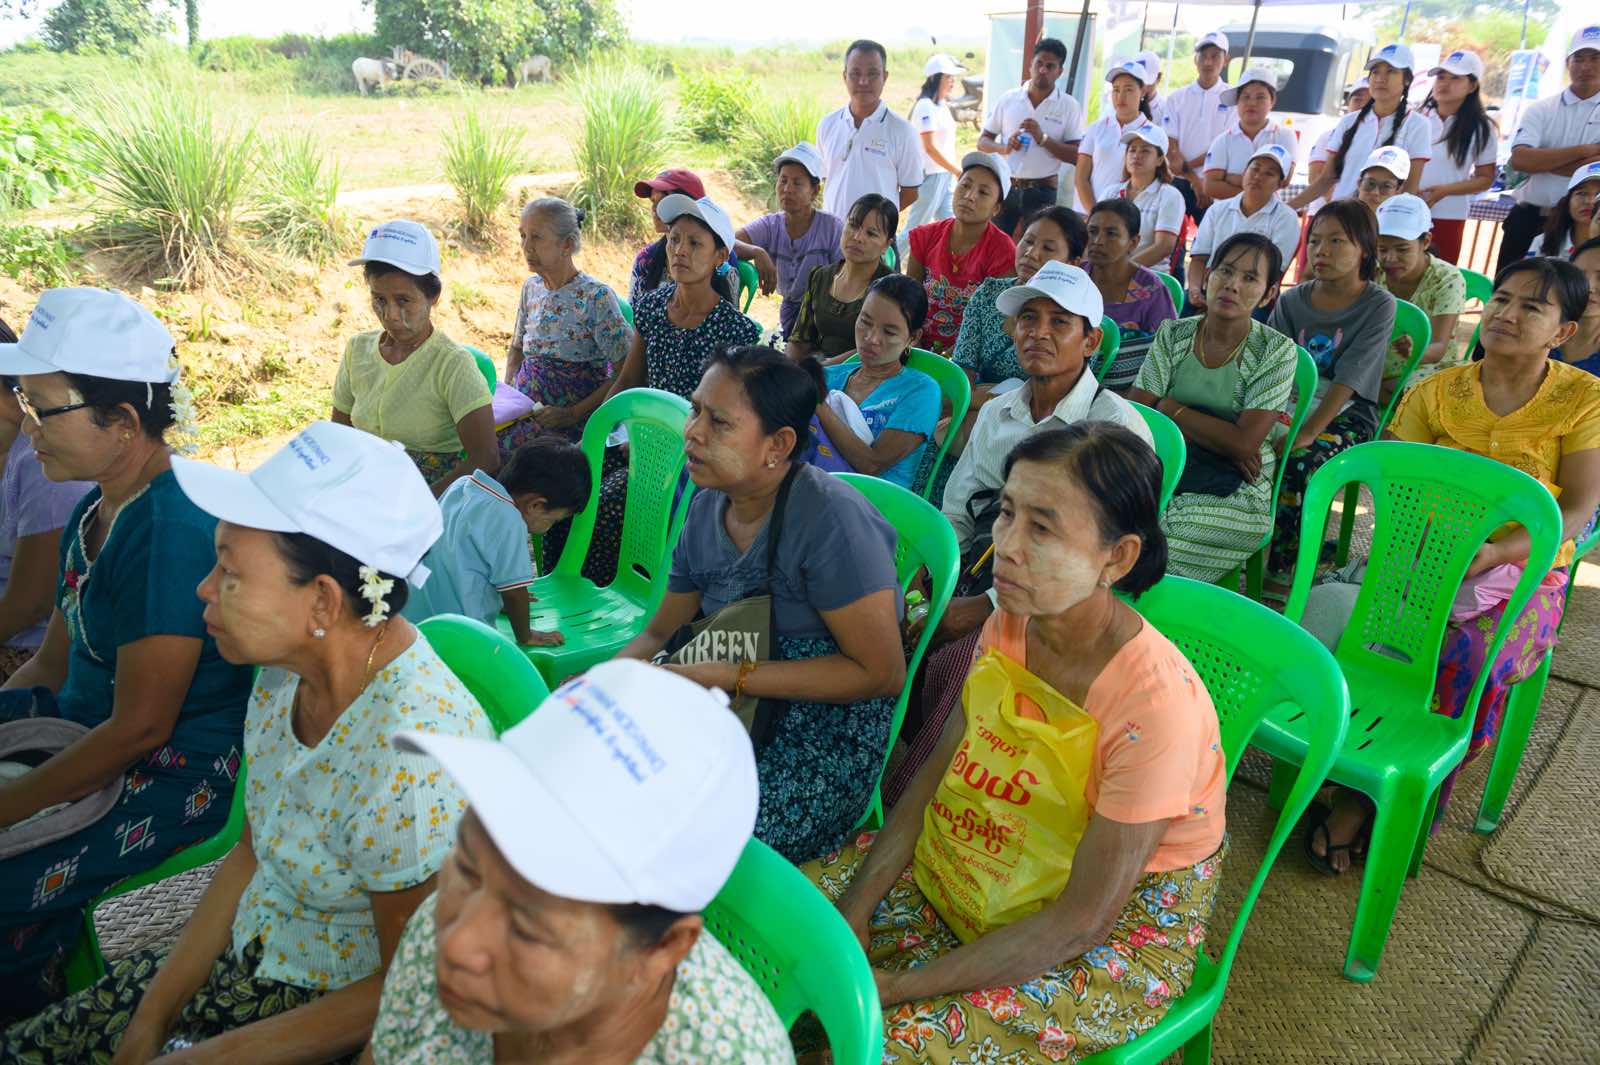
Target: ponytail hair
[(929, 91), (1398, 119)]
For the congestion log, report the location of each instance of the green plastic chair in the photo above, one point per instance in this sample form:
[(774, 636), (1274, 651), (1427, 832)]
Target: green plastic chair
[(1409, 320), (953, 384), (627, 311), (923, 540), (1435, 507), (1305, 387), (492, 667), (1175, 290), (749, 283), (1479, 286), (1110, 344), (597, 621), (793, 942), (485, 367), (1253, 663), (1170, 449)]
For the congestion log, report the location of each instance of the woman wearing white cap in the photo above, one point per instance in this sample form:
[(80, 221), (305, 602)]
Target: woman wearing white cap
[(936, 128), (1147, 182), (567, 922), (1572, 219), (146, 713), (284, 954), (1255, 210), (1383, 176), (797, 237), (406, 380), (1099, 166), (1251, 130), (1384, 120), (1465, 152), (1413, 273), (953, 257)]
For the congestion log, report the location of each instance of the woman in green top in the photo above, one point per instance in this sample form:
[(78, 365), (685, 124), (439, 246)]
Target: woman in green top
[(826, 324), (1224, 378), (1414, 275), (407, 381)]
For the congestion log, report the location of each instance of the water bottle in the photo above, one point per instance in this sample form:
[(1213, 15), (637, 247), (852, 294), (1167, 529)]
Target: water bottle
[(1027, 142), (916, 607)]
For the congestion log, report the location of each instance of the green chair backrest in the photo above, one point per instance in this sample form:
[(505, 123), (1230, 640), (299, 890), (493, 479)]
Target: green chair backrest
[(1433, 507), (749, 282), (793, 942), (957, 390), (923, 540), (485, 367), (1479, 286), (1412, 321), (1170, 449), (1305, 389), (1175, 290), (891, 256), (1110, 344), (650, 523), (627, 310), (493, 669)]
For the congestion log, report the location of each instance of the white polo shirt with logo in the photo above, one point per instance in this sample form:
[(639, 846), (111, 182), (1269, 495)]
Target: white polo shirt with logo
[(1560, 121), (1058, 114), (1415, 138), (1231, 151), (1196, 117), (1442, 169), (1276, 221), (882, 155), (1102, 142)]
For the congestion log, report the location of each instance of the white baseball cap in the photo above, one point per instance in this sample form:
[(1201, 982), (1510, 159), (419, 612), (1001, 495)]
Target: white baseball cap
[(1255, 75), (941, 63), (1396, 55), (1460, 63), (353, 491), (1586, 38), (1278, 154), (1359, 85), (1587, 172), (402, 243), (705, 208), (91, 331), (1216, 39), (1151, 61), (992, 163), (629, 784), (1131, 67), (1067, 286), (805, 153), (1391, 158), (1149, 133), (1404, 216)]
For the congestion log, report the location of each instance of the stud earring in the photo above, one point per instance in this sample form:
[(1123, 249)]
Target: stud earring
[(319, 632)]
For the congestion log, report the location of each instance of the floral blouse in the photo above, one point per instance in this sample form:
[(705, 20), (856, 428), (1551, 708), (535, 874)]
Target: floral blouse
[(674, 357), (579, 322), (983, 347)]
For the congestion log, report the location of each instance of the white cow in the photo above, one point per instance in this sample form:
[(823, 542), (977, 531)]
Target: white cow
[(534, 68), (372, 72)]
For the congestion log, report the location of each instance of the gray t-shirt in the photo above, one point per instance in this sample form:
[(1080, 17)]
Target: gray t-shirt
[(1348, 346), (834, 549)]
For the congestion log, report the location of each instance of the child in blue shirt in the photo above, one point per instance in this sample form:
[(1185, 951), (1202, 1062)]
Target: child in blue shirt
[(481, 565)]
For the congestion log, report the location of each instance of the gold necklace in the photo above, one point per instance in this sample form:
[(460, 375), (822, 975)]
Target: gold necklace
[(383, 630), (1205, 358)]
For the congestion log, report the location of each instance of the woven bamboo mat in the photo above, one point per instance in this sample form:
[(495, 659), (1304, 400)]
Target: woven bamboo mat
[(1547, 1014), (151, 916), (1577, 656)]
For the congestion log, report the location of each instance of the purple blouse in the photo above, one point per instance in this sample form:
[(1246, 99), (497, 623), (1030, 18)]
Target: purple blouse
[(30, 503)]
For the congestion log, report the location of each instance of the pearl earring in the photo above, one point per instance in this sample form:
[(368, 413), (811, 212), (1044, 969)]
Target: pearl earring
[(319, 632)]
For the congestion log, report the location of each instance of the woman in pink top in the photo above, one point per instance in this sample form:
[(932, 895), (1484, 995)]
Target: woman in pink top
[(1106, 956), (953, 257)]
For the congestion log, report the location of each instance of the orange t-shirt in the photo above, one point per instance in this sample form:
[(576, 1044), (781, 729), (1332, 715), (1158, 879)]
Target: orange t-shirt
[(1159, 752)]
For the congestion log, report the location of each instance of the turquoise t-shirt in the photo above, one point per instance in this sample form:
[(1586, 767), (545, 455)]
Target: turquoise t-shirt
[(908, 401), (143, 584)]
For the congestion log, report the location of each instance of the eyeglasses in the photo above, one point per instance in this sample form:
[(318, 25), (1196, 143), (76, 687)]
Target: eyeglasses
[(1384, 187), (38, 416)]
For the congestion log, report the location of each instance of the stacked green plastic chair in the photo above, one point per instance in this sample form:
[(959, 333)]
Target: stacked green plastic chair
[(749, 283), (1110, 344), (1170, 449), (489, 665), (957, 391), (1175, 290)]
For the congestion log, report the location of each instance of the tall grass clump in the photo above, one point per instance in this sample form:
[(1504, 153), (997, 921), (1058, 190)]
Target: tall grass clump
[(480, 159), (295, 211), (772, 128), (173, 183), (624, 136), (711, 102)]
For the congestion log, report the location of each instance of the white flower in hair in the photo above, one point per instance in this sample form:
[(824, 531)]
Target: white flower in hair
[(185, 432), (375, 589)]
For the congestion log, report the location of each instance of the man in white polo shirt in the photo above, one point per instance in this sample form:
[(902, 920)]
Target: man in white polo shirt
[(1196, 116), (1557, 136), (1251, 130), (1036, 127), (866, 148), (1152, 88)]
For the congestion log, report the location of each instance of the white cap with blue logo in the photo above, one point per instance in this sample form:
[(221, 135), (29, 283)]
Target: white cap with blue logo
[(1395, 160), (404, 244), (1149, 133), (1396, 55), (1460, 63), (1064, 285), (1131, 67), (1278, 154), (1584, 39), (1404, 216), (1587, 172), (1214, 39)]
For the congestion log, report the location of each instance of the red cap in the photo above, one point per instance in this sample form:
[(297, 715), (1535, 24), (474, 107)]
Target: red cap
[(684, 181)]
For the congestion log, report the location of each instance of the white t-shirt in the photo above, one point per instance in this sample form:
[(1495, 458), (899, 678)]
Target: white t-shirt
[(1556, 121), (1276, 221), (1102, 142), (1196, 117), (883, 155), (929, 117), (1059, 115), (1415, 137), (1231, 151), (1442, 169), (1160, 211)]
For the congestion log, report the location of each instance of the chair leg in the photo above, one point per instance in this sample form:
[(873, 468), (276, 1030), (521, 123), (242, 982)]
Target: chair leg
[(1394, 840), (1347, 522), (1522, 706), (1423, 835), (1283, 774), (1255, 574), (1197, 1051)]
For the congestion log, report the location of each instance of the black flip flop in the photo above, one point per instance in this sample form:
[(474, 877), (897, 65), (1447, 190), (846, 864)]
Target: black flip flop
[(1322, 863)]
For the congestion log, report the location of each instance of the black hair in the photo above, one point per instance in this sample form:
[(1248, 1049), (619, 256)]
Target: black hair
[(655, 272), (430, 284), (1558, 227), (1067, 220), (778, 169), (1144, 105), (886, 210), (106, 396), (929, 90), (1360, 225), (6, 335), (1256, 242), (864, 45), (309, 558), (1126, 210), (910, 296), (1472, 128), (781, 391), (1122, 475), (644, 923), (1571, 288), (1399, 119), (550, 467), (1589, 245), (1053, 46)]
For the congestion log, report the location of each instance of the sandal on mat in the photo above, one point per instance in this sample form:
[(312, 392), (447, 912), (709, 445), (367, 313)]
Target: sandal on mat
[(1323, 862)]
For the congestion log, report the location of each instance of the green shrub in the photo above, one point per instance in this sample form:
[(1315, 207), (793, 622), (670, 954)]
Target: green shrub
[(772, 129), (296, 209), (624, 136), (235, 54), (46, 257), (38, 158), (415, 87), (711, 103), (322, 64), (111, 26), (480, 159)]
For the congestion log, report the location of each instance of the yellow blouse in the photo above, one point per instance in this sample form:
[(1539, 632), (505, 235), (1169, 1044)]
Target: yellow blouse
[(1563, 417)]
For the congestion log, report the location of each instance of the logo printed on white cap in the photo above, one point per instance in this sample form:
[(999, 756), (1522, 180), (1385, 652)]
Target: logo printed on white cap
[(1067, 286), (1391, 158), (1404, 216), (1587, 172), (92, 331), (403, 244)]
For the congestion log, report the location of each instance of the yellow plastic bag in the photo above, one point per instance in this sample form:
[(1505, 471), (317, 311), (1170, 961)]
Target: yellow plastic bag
[(998, 839)]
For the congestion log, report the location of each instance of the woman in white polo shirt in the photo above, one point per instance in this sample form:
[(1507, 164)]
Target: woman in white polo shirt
[(1256, 210), (1099, 166), (1147, 181), (936, 129), (1464, 153), (1252, 129)]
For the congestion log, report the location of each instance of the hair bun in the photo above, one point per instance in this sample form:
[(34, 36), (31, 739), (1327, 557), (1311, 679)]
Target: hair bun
[(581, 213)]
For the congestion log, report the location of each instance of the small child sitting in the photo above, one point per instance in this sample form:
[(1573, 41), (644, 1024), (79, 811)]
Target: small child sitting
[(481, 565)]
